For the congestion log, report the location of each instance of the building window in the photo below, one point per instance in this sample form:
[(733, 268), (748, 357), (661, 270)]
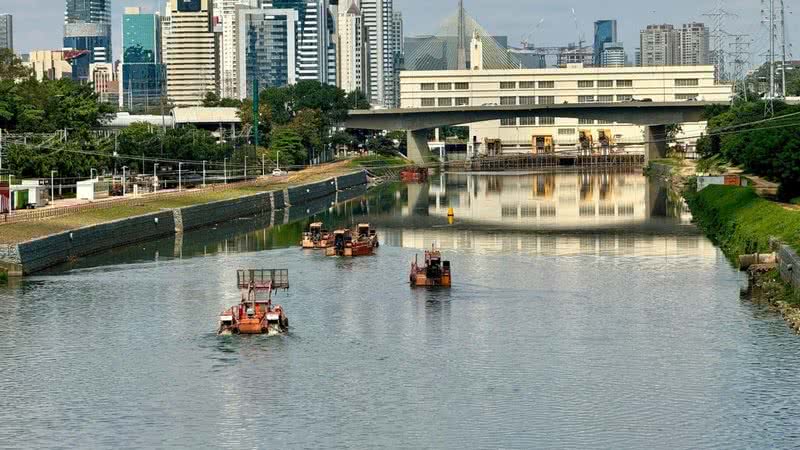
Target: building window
[(686, 96), (586, 84), (586, 99), (624, 83), (566, 131), (527, 121), (547, 84), (547, 100), (527, 85), (508, 210), (508, 85), (603, 122), (684, 82), (605, 98), (445, 86), (428, 102), (585, 121), (527, 100), (508, 100), (445, 101), (605, 83), (462, 101), (624, 98), (512, 122), (547, 120), (462, 86), (428, 86)]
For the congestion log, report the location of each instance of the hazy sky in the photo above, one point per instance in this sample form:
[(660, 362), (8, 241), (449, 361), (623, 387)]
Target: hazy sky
[(38, 23)]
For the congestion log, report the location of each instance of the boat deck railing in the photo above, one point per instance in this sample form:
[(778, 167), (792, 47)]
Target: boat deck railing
[(263, 278)]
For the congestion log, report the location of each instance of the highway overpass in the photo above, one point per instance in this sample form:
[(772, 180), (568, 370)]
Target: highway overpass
[(417, 121)]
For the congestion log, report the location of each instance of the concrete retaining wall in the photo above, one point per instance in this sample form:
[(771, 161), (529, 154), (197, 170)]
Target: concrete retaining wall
[(39, 254), (789, 265), (198, 216), (352, 180), (301, 194), (58, 248)]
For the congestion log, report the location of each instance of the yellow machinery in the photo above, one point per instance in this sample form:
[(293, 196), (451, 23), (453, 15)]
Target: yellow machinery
[(542, 144), (605, 139)]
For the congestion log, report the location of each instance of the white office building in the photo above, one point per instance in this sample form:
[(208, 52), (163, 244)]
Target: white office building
[(379, 19), (226, 22), (573, 84), (191, 52), (352, 50)]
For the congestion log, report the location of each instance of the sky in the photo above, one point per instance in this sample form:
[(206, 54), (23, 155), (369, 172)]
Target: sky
[(38, 24)]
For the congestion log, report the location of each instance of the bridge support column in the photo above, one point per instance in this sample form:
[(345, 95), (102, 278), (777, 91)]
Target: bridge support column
[(655, 147), (418, 150)]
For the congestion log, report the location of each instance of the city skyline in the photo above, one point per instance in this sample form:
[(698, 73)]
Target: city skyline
[(39, 23)]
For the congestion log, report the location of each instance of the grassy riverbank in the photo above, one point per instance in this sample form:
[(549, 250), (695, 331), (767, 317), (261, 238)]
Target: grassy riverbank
[(23, 231), (741, 222)]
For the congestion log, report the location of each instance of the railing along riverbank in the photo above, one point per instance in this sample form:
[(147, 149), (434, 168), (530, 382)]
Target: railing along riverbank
[(38, 254)]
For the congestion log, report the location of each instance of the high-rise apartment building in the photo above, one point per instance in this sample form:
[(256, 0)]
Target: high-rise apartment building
[(191, 52), (605, 31), (379, 21), (266, 48), (87, 28), (353, 49), (6, 31), (226, 20), (694, 45), (613, 55), (143, 73), (665, 45), (660, 45)]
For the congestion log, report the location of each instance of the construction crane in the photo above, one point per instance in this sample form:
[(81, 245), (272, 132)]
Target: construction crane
[(577, 28)]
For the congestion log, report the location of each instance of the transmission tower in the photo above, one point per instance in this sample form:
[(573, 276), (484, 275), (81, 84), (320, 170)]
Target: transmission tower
[(740, 55), (718, 18), (768, 8)]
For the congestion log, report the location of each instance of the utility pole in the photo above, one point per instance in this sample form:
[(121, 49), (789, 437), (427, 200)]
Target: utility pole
[(204, 173), (718, 34), (255, 125), (783, 50)]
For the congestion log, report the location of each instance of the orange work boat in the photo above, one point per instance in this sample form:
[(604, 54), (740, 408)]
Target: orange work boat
[(435, 272), (366, 232), (414, 174), (316, 237), (256, 314), (344, 244)]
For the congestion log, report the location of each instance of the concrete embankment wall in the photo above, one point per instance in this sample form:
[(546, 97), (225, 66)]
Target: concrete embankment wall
[(58, 248), (788, 264), (39, 254)]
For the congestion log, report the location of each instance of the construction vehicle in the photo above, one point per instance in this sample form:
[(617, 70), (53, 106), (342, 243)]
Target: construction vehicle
[(585, 141), (542, 144)]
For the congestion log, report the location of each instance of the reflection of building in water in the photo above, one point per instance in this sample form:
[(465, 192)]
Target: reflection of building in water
[(553, 200), (607, 244)]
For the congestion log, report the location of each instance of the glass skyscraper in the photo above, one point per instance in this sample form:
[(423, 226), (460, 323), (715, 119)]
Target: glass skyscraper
[(87, 28), (143, 72), (605, 31), (267, 48)]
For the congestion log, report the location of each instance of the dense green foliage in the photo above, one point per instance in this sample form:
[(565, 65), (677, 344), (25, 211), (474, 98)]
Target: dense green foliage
[(741, 222), (3, 277), (769, 149)]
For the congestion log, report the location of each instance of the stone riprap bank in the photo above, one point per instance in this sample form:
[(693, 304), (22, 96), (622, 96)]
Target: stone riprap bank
[(38, 254)]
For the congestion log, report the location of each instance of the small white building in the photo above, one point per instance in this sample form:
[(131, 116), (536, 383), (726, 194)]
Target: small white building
[(93, 189)]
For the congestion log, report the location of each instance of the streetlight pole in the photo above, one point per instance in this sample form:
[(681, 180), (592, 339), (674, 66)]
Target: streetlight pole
[(52, 185), (204, 173), (180, 176), (263, 167), (124, 187), (225, 170), (155, 177), (91, 173), (245, 168)]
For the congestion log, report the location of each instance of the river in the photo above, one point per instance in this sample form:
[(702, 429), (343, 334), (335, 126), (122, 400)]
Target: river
[(586, 312)]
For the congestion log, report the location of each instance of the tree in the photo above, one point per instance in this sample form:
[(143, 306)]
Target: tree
[(212, 100), (289, 144), (11, 67)]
